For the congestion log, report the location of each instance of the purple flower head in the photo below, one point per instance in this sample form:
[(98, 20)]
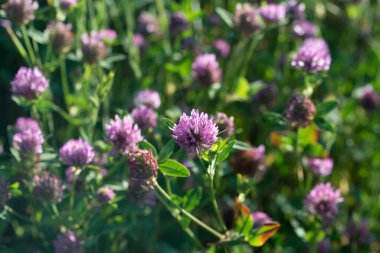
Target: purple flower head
[(107, 35), (93, 48), (369, 99), (249, 163), (358, 232), (48, 187), (29, 82), (143, 169), (313, 56), (68, 242), (222, 48), (260, 218), (4, 193), (148, 25), (178, 23), (28, 143), (299, 111), (206, 69), (273, 12), (140, 42), (105, 195), (61, 36), (123, 134), (20, 12), (144, 117), (246, 19), (304, 29), (295, 9), (225, 124), (323, 199), (67, 4), (267, 95), (195, 132), (149, 98), (323, 246), (320, 166), (27, 124), (76, 153)]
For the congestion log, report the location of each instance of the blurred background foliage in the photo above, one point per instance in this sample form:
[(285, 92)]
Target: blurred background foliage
[(352, 32)]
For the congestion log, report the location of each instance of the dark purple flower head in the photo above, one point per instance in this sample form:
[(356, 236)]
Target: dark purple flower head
[(105, 195), (267, 95), (149, 98), (323, 246), (246, 19), (61, 36), (68, 242), (260, 218), (48, 187), (93, 48), (4, 192), (206, 69), (304, 29), (249, 163), (225, 124), (222, 48), (144, 117), (369, 99), (28, 143), (321, 166), (123, 134), (299, 111), (26, 124), (295, 9), (76, 153), (143, 169), (178, 23), (67, 4), (358, 232), (20, 12), (195, 132), (323, 199), (213, 19), (29, 82), (313, 56), (148, 25), (273, 12)]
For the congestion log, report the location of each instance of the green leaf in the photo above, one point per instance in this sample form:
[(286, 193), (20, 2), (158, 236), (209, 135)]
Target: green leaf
[(225, 15), (192, 199), (147, 146), (166, 151), (326, 107), (244, 224), (242, 89), (263, 234), (174, 169), (239, 145), (169, 123), (324, 125), (276, 118), (225, 152)]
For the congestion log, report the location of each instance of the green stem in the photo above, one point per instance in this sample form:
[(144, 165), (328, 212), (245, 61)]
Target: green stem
[(189, 215), (188, 231), (215, 205), (164, 22), (29, 47), (18, 44), (65, 83)]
